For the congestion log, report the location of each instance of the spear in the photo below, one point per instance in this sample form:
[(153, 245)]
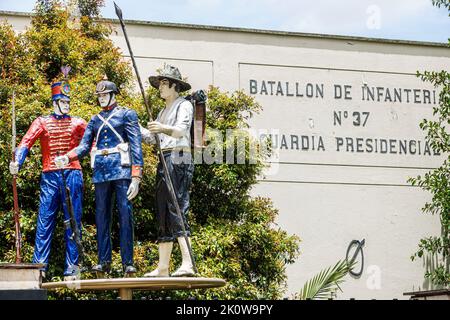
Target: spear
[(167, 177), (14, 185)]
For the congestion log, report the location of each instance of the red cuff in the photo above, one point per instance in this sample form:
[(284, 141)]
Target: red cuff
[(136, 171), (72, 155)]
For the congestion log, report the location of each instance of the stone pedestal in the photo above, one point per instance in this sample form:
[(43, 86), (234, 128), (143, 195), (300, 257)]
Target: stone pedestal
[(17, 276), (443, 294), (21, 281)]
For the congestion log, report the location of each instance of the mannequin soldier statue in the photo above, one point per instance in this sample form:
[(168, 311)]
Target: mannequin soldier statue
[(173, 126), (58, 133), (116, 159)]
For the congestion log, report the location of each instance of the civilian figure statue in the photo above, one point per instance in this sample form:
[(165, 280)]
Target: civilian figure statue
[(173, 128)]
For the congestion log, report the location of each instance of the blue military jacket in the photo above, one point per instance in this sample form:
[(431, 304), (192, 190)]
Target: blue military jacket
[(108, 167)]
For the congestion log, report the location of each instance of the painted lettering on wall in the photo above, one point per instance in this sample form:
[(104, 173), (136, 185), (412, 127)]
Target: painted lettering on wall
[(373, 93), (347, 144), (364, 96)]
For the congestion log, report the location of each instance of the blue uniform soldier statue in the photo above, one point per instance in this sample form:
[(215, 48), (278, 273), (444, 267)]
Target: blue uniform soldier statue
[(114, 139), (173, 126)]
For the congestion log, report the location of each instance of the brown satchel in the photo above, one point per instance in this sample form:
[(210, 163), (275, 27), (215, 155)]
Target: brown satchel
[(198, 125)]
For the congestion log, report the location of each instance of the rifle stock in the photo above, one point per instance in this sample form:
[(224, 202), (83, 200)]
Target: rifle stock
[(76, 234), (72, 223)]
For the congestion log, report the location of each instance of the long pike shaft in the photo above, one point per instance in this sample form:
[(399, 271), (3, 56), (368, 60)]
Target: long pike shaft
[(158, 144)]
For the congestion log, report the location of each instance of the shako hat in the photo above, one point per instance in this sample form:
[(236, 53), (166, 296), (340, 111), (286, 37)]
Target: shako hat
[(61, 89)]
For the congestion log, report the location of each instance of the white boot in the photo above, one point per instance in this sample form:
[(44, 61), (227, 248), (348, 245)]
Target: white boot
[(186, 269), (165, 250), (75, 274), (72, 278)]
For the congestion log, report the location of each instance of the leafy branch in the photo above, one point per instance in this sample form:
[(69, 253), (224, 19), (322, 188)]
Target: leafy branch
[(324, 284)]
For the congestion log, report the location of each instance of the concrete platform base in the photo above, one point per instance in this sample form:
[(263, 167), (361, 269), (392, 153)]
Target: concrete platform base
[(20, 276)]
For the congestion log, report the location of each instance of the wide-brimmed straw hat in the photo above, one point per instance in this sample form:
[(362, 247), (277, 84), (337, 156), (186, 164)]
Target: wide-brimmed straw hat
[(172, 73)]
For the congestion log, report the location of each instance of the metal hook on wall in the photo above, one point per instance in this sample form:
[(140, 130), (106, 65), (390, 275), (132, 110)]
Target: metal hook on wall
[(359, 245)]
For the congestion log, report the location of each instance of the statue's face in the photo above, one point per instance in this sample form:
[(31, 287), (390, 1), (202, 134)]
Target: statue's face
[(106, 99), (61, 106), (165, 91)]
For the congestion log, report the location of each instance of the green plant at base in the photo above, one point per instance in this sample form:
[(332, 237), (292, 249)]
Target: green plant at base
[(324, 284)]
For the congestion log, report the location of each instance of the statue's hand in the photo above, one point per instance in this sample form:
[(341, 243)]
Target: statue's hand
[(156, 127), (61, 161), (133, 189)]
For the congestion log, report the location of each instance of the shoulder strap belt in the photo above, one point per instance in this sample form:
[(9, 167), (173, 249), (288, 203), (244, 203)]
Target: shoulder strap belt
[(106, 122)]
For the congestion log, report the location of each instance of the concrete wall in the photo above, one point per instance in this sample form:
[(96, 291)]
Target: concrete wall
[(330, 190)]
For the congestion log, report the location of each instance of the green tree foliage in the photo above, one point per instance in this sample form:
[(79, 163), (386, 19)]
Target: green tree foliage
[(437, 181), (234, 235), (443, 3)]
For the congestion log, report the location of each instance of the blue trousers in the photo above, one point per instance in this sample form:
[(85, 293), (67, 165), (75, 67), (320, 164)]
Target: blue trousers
[(103, 216), (52, 200)]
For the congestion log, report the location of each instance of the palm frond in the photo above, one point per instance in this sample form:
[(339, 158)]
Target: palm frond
[(322, 285)]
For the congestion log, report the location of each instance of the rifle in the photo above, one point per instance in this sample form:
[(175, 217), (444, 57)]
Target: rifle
[(167, 177), (14, 186), (71, 223)]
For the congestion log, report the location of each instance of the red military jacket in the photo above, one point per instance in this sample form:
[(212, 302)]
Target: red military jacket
[(57, 134)]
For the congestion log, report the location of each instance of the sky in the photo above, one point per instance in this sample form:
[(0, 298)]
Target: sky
[(415, 20)]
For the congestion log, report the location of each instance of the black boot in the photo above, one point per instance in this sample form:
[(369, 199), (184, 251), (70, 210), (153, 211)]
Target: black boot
[(102, 268), (129, 270)]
